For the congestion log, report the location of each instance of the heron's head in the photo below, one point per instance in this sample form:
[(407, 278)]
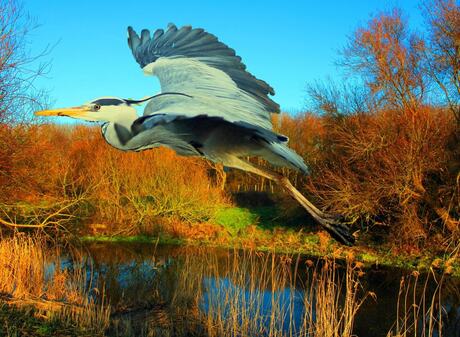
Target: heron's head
[(104, 109)]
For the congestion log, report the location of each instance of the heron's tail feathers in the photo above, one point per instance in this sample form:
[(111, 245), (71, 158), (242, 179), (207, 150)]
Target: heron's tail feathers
[(281, 155)]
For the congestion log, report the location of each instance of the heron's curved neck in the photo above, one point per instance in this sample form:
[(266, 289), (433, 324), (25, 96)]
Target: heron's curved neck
[(119, 133)]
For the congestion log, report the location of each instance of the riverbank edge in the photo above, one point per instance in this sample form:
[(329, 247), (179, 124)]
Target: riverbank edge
[(369, 256), (28, 321)]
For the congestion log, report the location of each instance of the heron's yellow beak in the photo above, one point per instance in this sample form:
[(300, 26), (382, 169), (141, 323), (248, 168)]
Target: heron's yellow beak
[(75, 112)]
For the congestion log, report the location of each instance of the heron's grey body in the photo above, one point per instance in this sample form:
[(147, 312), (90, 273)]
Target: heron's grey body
[(202, 135)]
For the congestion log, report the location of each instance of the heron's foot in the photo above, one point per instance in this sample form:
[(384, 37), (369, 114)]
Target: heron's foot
[(335, 225)]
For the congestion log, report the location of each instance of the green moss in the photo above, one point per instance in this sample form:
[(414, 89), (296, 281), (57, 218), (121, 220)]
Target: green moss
[(134, 239), (235, 219)]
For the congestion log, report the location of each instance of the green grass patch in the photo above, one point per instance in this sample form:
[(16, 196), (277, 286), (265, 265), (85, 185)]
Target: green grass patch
[(235, 219), (132, 239)]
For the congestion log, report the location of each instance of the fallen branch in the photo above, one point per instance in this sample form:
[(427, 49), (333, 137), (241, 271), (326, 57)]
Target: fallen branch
[(54, 219)]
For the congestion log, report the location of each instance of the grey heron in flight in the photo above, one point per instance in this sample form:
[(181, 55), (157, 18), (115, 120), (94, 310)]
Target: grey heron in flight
[(210, 106)]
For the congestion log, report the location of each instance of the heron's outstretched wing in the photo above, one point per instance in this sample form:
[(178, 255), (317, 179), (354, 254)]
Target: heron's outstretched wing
[(194, 62)]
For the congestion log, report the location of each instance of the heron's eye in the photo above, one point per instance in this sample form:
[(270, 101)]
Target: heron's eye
[(96, 107)]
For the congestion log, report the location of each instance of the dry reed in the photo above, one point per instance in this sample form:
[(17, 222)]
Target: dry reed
[(33, 274), (421, 311), (259, 294)]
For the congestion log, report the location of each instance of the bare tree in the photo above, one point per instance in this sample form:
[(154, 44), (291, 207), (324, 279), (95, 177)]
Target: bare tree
[(18, 69), (388, 58), (389, 149), (442, 58), (337, 100)]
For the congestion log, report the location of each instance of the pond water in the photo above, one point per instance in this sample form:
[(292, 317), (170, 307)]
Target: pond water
[(188, 291)]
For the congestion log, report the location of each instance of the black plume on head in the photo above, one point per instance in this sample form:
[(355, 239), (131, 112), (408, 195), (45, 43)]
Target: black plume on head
[(120, 101), (133, 101), (109, 101)]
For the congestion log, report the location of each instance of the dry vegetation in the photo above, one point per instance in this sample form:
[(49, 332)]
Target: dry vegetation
[(250, 294), (96, 184), (331, 298), (33, 275), (375, 171), (424, 312), (383, 150)]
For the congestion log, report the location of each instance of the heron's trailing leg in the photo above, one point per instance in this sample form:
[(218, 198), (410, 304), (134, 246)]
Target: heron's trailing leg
[(332, 224)]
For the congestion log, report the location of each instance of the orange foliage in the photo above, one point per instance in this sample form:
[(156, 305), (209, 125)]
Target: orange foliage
[(390, 167), (54, 162), (378, 153), (389, 60)]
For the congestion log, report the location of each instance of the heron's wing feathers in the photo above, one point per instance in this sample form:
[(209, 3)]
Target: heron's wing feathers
[(191, 134), (199, 44), (194, 62), (148, 122), (148, 138)]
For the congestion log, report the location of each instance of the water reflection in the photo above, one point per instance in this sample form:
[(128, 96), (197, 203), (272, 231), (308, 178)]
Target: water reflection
[(179, 291)]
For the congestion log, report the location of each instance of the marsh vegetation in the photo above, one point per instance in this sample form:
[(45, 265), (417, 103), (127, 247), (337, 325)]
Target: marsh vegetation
[(144, 290)]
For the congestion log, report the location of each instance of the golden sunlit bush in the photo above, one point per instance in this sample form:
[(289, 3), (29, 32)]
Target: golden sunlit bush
[(34, 163), (49, 163), (391, 167)]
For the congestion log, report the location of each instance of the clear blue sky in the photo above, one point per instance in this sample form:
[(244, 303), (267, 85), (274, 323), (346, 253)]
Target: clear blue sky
[(286, 43)]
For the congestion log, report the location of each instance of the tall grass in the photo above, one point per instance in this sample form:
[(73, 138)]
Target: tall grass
[(250, 293), (262, 294), (422, 311), (198, 293), (33, 274)]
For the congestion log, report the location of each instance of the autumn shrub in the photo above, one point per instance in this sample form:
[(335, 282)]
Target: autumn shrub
[(139, 187), (390, 167), (37, 189), (49, 163), (33, 162)]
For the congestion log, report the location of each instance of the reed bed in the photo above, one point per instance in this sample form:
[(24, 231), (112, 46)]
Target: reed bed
[(32, 274), (251, 293), (220, 293), (421, 311)]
